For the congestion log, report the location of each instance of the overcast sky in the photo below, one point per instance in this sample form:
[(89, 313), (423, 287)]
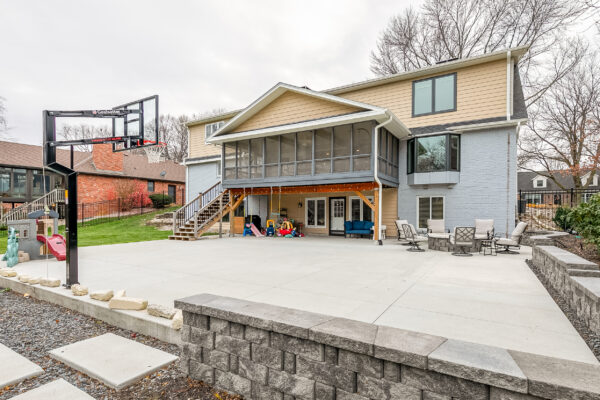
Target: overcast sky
[(197, 55)]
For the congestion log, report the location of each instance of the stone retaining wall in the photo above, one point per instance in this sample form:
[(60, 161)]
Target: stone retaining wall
[(267, 352), (575, 278)]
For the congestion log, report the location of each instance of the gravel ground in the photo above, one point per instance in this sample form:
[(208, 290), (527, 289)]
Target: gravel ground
[(591, 339), (32, 328)]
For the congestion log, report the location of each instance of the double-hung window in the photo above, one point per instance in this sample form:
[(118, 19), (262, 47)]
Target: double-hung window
[(429, 208), (315, 213), (434, 95), (209, 129)]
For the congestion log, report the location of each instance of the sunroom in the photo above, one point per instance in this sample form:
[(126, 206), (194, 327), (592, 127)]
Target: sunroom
[(321, 159)]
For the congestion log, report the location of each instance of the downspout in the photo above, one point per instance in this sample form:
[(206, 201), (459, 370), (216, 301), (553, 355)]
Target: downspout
[(508, 84), (508, 95), (376, 176)]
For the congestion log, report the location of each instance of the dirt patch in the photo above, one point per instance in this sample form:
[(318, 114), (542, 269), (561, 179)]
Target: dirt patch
[(578, 246)]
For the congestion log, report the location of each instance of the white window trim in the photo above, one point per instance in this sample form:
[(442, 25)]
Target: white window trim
[(306, 200), (540, 178), (210, 129), (417, 208), (362, 202)]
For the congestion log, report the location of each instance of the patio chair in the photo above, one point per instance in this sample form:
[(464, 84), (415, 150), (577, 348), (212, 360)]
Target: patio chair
[(401, 236), (514, 241), (484, 229), (413, 238), (463, 238), (436, 228)]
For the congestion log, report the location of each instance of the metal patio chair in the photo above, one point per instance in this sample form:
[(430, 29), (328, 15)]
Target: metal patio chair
[(463, 238), (412, 238)]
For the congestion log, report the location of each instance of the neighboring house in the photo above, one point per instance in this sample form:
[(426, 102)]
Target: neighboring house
[(22, 174), (538, 188), (440, 141)]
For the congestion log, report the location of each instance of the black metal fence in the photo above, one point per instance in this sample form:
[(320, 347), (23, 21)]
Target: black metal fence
[(538, 207), (110, 210)]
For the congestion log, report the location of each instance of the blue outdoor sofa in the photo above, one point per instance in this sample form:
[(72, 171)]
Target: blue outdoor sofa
[(358, 228)]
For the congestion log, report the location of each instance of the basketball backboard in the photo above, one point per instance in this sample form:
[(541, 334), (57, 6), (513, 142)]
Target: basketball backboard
[(141, 126)]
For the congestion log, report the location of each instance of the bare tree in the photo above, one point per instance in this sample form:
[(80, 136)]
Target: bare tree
[(447, 29), (173, 132), (564, 133), (3, 122), (84, 131)]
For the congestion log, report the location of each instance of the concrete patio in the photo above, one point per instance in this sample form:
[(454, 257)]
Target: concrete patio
[(496, 301)]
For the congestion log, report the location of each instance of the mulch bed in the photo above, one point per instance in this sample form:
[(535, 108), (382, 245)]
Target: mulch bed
[(32, 328), (578, 246), (591, 338)]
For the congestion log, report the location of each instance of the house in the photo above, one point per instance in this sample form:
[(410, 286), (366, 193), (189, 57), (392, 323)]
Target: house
[(538, 188), (22, 175), (437, 142)]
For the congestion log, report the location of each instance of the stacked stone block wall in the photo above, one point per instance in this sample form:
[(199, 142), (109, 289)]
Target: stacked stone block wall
[(261, 351), (576, 279)]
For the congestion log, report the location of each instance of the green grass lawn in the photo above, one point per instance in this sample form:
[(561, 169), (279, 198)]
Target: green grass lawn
[(125, 230)]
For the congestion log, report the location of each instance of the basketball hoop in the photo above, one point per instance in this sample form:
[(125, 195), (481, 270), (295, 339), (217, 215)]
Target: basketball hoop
[(154, 153)]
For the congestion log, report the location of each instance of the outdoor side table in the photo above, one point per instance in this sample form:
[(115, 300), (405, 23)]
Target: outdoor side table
[(488, 247)]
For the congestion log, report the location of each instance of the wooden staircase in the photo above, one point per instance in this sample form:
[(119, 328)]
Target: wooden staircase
[(197, 216)]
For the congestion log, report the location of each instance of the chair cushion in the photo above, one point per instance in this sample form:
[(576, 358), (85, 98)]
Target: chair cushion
[(518, 231), (436, 225), (358, 225), (483, 226), (506, 242), (368, 224), (439, 235), (481, 236)]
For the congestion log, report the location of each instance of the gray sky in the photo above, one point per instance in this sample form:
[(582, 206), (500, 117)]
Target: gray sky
[(197, 55)]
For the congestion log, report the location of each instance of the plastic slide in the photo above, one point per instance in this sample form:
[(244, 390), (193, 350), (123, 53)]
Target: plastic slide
[(56, 245), (255, 231)]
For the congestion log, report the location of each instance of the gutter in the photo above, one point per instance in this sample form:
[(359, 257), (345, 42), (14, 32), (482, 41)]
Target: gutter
[(376, 176)]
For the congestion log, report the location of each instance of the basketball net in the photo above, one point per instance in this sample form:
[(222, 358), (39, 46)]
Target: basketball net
[(155, 153)]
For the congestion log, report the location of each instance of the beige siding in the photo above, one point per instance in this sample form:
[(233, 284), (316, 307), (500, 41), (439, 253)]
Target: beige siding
[(197, 145), (481, 93), (390, 211), (293, 107)]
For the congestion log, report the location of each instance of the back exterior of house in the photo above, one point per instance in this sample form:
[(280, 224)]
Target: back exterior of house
[(439, 143)]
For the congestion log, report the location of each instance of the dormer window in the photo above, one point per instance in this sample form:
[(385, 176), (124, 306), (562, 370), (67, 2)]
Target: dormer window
[(209, 129), (434, 95), (539, 182)]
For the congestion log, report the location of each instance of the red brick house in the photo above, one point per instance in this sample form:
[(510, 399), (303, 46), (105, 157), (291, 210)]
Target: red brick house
[(101, 172)]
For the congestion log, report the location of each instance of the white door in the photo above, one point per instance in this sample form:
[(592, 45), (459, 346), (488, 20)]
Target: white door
[(337, 209)]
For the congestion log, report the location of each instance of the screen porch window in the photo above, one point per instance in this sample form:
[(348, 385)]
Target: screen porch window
[(343, 149), (315, 213), (5, 179), (209, 129), (429, 208), (434, 95)]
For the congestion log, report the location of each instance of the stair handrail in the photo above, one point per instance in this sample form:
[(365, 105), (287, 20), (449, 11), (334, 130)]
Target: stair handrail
[(189, 210), (55, 196), (198, 227)]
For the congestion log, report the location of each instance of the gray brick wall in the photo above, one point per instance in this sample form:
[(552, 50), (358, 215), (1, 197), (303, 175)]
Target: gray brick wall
[(482, 190), (261, 351)]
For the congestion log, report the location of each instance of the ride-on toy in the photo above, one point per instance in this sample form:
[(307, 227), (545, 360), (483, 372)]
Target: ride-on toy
[(270, 227)]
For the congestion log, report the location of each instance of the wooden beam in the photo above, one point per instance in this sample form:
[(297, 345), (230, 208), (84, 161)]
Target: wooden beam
[(364, 198), (230, 209), (376, 228), (334, 188)]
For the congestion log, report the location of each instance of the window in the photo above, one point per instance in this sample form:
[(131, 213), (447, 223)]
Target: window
[(5, 178), (288, 156), (256, 158), (429, 208), (209, 129), (304, 153), (315, 213), (272, 156), (433, 154), (361, 147), (230, 159), (539, 182), (434, 95), (38, 188), (19, 182), (243, 158), (323, 151), (388, 153), (359, 210), (150, 186), (218, 169)]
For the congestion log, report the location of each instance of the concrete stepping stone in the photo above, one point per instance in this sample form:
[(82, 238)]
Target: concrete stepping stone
[(114, 360), (15, 368), (55, 390)]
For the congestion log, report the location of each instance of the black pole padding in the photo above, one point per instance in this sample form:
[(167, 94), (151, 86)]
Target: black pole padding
[(71, 231)]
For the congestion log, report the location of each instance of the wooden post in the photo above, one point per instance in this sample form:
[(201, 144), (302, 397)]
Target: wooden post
[(376, 228), (221, 216)]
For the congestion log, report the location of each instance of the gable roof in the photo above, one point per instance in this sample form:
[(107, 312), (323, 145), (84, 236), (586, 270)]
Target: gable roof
[(525, 180), (134, 165), (352, 111)]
